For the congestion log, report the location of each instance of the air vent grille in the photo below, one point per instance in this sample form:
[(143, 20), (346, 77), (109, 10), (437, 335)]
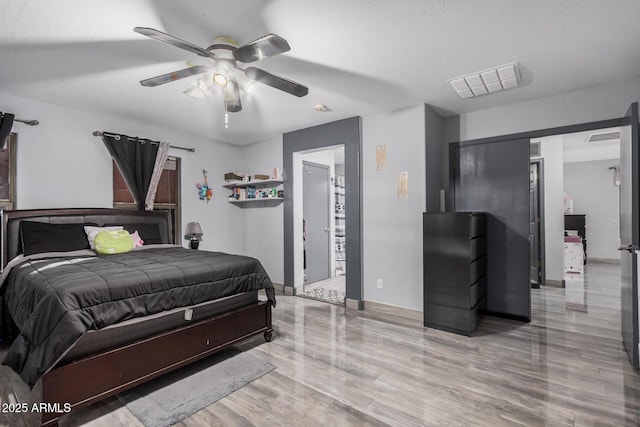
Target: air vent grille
[(487, 81), (606, 136), (534, 149)]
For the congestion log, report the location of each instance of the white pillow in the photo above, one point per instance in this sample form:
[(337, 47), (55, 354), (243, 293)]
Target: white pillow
[(93, 231)]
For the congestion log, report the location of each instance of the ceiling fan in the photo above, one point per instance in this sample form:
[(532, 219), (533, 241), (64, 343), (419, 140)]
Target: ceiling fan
[(225, 71)]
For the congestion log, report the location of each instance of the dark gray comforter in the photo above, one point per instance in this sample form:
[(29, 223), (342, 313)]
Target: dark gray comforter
[(55, 300)]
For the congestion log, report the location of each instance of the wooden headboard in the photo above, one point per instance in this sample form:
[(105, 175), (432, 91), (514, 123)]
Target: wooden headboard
[(11, 222)]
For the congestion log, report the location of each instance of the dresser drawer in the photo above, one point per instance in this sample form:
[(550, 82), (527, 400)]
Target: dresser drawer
[(477, 225), (477, 291), (477, 247), (477, 269)]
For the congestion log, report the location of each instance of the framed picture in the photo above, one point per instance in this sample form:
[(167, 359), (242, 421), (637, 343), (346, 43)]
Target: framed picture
[(8, 173)]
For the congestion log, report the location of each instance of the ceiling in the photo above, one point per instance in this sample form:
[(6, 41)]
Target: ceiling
[(358, 57), (576, 147)]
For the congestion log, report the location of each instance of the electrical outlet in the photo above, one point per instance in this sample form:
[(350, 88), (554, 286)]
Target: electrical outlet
[(379, 283)]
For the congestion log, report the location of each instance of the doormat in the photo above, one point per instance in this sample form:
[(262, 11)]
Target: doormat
[(169, 399), (332, 296)]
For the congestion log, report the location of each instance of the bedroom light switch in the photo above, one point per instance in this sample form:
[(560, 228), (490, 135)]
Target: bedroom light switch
[(188, 314)]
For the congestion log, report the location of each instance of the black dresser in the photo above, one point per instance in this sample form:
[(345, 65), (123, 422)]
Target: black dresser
[(577, 223), (454, 260)]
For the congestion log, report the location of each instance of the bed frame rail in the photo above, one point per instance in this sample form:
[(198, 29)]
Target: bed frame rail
[(119, 369)]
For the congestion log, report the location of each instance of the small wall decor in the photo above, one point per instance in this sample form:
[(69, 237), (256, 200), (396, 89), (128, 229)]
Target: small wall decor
[(204, 192), (381, 157), (403, 185)]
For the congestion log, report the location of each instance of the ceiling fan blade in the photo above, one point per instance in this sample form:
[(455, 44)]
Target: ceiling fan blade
[(168, 38), (231, 91), (173, 76), (264, 47), (283, 84)]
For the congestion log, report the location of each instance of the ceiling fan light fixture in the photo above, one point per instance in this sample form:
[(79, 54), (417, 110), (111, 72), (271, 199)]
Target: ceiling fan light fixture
[(220, 79)]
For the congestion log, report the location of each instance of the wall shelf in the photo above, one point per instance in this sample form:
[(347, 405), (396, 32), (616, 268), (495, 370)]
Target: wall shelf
[(258, 183), (255, 187), (262, 199)]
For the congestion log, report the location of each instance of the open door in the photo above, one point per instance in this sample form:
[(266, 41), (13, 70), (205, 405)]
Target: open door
[(315, 207), (629, 232)]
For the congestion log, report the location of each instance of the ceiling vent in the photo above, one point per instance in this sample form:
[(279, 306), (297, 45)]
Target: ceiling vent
[(487, 81), (534, 149), (605, 136)]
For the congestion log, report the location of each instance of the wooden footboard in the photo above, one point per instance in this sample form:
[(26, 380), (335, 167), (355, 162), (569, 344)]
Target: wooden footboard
[(96, 377)]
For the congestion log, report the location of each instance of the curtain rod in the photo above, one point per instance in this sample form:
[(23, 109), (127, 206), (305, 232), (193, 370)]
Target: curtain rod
[(25, 121), (98, 133)]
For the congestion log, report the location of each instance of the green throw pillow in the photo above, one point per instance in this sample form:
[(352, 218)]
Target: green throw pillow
[(113, 242)]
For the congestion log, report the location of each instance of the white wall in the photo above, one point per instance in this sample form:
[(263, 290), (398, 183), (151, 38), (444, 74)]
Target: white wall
[(61, 164), (263, 223), (591, 186), (597, 103), (392, 236), (551, 151)]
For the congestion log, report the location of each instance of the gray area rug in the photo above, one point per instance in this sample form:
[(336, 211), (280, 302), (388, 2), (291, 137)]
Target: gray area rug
[(173, 397), (325, 295)]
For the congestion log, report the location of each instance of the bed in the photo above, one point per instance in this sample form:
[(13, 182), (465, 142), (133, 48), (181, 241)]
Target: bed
[(117, 319)]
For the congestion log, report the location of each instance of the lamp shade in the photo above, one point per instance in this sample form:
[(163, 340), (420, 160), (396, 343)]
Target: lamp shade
[(193, 230)]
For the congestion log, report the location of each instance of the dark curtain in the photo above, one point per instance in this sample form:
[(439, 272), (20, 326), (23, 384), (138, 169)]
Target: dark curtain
[(136, 159), (6, 122)]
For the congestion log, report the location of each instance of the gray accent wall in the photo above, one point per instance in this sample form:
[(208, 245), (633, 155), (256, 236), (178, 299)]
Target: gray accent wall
[(347, 132), (434, 154), (493, 177)]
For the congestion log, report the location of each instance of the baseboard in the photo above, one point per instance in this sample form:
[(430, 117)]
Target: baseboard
[(355, 304), (388, 309), (289, 290), (279, 288), (604, 260), (554, 283)]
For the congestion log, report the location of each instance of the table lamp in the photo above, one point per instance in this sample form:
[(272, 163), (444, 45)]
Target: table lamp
[(193, 233)]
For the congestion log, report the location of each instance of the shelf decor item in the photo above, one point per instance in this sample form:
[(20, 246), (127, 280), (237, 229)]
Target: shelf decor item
[(265, 191), (193, 233)]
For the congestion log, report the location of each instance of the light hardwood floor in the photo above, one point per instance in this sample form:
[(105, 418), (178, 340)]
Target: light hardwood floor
[(566, 367)]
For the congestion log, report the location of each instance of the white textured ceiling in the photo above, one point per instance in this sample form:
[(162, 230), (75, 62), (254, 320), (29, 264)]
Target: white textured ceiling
[(576, 147), (358, 57)]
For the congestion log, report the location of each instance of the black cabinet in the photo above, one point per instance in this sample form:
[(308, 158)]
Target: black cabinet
[(578, 223), (454, 260)]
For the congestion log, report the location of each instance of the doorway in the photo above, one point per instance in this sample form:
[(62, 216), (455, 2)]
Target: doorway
[(321, 204), (315, 220), (582, 206), (347, 132)]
